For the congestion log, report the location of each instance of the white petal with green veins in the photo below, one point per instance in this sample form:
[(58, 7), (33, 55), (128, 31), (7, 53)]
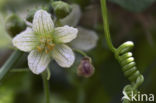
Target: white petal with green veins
[(65, 34), (26, 40), (38, 61), (73, 18), (63, 55), (86, 39), (42, 22)]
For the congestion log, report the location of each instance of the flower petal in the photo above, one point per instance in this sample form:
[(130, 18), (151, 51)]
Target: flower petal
[(63, 55), (65, 34), (73, 18), (86, 39), (25, 41), (42, 22), (37, 61)]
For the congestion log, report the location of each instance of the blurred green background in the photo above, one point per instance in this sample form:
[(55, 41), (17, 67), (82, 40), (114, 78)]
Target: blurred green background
[(130, 20)]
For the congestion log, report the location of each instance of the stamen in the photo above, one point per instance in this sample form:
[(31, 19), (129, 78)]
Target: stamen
[(49, 40), (47, 51), (50, 46), (45, 44), (39, 49)]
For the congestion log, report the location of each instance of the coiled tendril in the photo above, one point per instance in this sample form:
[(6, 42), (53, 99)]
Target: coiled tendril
[(124, 56)]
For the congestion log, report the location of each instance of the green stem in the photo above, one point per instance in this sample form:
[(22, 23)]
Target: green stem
[(48, 74), (80, 52), (106, 25), (10, 63), (46, 87), (19, 70), (81, 95)]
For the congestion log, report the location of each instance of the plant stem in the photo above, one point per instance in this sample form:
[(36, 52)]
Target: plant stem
[(10, 63), (48, 74), (80, 52), (19, 70), (81, 95), (106, 25), (46, 87)]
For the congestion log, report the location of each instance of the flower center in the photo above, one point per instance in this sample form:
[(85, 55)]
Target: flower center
[(46, 44)]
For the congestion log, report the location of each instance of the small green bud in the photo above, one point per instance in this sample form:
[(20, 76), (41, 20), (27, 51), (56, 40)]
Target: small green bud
[(14, 25), (85, 69), (61, 9), (30, 15)]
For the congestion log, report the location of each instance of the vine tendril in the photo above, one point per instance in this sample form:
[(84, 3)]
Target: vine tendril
[(106, 25), (124, 57), (126, 60)]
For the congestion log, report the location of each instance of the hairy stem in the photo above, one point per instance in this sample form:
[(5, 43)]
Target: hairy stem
[(46, 87), (10, 63), (106, 25)]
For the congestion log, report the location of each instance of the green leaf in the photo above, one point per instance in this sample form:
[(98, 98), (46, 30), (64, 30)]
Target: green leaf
[(134, 5)]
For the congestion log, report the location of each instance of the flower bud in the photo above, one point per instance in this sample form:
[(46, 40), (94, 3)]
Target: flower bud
[(30, 15), (14, 25), (61, 9), (85, 69)]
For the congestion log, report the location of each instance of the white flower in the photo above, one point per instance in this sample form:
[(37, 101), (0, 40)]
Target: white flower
[(43, 41), (87, 39)]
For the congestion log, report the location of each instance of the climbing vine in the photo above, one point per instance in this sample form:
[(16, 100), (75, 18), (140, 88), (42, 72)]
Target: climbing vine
[(124, 57)]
